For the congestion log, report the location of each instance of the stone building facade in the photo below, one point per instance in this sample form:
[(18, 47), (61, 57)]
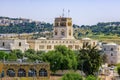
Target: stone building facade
[(31, 71), (112, 51)]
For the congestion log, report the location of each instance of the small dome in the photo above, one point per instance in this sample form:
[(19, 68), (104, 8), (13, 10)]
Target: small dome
[(42, 38), (86, 39), (111, 44)]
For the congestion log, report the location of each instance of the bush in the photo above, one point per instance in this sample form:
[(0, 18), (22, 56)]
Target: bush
[(72, 76), (91, 77), (118, 70)]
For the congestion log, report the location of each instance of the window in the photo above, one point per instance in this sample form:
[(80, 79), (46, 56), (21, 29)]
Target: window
[(21, 73), (48, 46), (76, 46), (56, 24), (3, 44), (70, 46), (66, 41), (111, 54), (55, 33), (69, 24), (43, 73), (19, 43), (62, 33), (41, 47), (52, 41), (32, 73), (69, 32), (104, 49), (62, 24), (11, 73), (55, 46), (111, 49)]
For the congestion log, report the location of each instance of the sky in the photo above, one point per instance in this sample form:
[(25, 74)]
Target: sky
[(82, 12)]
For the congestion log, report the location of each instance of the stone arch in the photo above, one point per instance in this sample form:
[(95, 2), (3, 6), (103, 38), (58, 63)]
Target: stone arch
[(62, 32), (11, 72), (32, 72), (43, 72), (21, 73)]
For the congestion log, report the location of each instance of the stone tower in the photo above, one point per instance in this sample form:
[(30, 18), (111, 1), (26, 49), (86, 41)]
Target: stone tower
[(63, 28)]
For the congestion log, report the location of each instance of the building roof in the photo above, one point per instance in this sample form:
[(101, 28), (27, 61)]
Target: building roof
[(4, 49)]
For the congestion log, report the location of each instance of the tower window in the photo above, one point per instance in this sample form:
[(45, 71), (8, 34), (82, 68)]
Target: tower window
[(69, 32), (19, 43), (55, 33), (3, 44), (69, 24), (62, 24), (111, 49), (62, 32)]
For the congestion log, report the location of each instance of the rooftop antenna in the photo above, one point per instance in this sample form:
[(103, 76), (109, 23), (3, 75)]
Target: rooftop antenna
[(63, 13), (68, 13)]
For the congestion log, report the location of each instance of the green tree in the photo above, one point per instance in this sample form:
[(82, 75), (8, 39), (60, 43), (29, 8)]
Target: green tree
[(89, 59), (31, 51), (91, 77), (118, 70), (72, 76), (12, 57), (3, 55), (61, 58), (18, 53), (33, 55)]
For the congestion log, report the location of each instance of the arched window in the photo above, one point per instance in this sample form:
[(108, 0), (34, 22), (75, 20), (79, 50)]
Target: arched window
[(56, 32), (43, 73), (2, 74), (111, 54), (32, 73), (21, 73), (62, 33), (11, 73)]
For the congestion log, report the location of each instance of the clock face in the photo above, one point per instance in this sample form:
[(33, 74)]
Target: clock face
[(69, 24)]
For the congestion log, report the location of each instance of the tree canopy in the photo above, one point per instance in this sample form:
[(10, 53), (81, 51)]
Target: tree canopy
[(61, 58), (89, 59), (72, 76)]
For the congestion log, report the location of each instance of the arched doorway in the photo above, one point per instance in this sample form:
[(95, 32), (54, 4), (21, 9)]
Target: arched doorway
[(21, 73), (43, 73), (11, 73), (32, 73)]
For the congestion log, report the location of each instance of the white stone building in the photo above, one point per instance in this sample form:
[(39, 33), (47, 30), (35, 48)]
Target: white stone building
[(12, 44), (112, 51)]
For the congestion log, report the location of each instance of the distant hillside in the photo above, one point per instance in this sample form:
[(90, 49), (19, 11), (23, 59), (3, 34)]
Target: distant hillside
[(22, 25), (106, 29)]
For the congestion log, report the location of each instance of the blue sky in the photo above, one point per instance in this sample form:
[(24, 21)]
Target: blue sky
[(83, 12)]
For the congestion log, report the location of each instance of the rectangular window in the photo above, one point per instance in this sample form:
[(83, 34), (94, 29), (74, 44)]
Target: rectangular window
[(48, 46), (76, 46), (70, 46), (3, 44), (41, 47), (19, 43)]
